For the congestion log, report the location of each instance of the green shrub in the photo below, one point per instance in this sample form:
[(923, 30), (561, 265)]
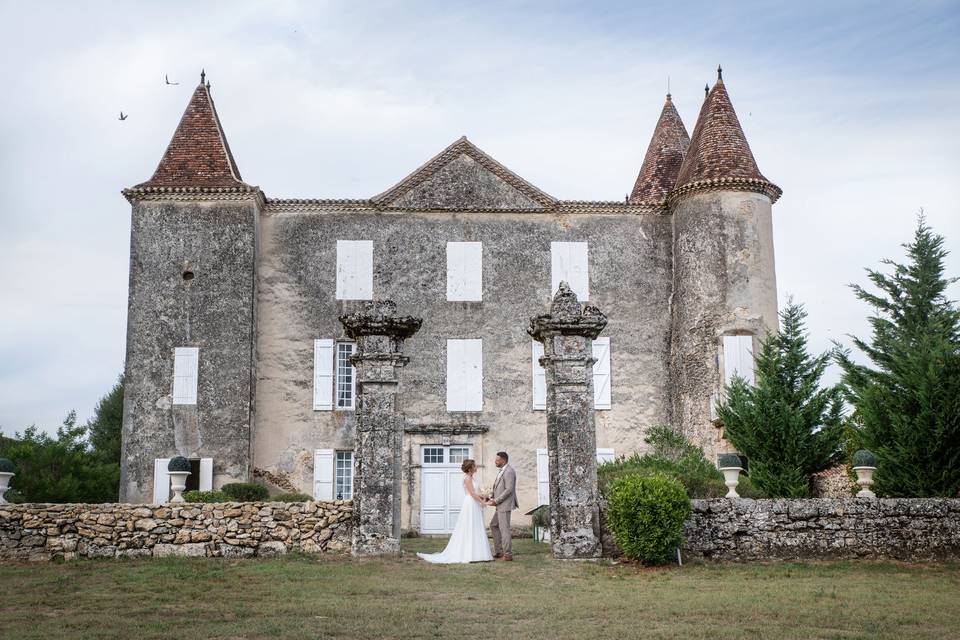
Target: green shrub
[(728, 460), (179, 463), (6, 466), (206, 496), (646, 515), (246, 491), (541, 517), (290, 497), (864, 458), (673, 455), (14, 497)]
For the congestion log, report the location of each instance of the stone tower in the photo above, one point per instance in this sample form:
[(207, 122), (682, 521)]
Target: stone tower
[(723, 269), (191, 310)]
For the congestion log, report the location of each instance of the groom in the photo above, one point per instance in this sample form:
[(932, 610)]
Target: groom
[(505, 500)]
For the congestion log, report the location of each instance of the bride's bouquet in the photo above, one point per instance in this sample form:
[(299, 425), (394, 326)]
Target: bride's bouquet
[(486, 491)]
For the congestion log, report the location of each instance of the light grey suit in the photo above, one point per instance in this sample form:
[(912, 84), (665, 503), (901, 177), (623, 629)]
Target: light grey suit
[(505, 495)]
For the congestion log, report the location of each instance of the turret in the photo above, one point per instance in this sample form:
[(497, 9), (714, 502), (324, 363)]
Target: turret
[(661, 164), (724, 285), (191, 323)]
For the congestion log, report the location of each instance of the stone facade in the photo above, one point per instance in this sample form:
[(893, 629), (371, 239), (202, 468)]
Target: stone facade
[(49, 531)]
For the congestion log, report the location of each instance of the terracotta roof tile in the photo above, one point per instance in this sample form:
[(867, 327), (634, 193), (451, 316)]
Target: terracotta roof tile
[(198, 155), (718, 148), (661, 165)]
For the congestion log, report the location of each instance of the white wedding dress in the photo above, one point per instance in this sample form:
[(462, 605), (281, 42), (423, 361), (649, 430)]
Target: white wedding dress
[(468, 543)]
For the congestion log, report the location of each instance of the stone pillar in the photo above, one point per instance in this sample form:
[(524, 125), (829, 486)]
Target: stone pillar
[(379, 334), (567, 334)]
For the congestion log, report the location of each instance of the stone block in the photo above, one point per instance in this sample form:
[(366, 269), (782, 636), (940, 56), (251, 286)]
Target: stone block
[(189, 550), (272, 548)]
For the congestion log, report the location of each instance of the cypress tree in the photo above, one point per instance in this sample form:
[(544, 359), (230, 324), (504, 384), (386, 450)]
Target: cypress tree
[(908, 401), (786, 425)]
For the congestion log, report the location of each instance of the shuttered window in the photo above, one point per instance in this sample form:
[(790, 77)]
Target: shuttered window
[(737, 358), (323, 474), (601, 373), (161, 481), (323, 374), (185, 375), (465, 375), (543, 471), (354, 270), (539, 377), (569, 263), (465, 271), (346, 375)]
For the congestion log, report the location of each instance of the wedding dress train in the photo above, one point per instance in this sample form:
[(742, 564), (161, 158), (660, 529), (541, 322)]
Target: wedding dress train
[(468, 543)]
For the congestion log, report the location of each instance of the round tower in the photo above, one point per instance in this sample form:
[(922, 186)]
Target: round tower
[(724, 283)]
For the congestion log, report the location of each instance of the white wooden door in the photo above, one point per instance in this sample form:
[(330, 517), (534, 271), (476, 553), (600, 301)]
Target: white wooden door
[(441, 483)]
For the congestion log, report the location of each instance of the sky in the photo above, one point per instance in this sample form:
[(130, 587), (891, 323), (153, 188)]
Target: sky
[(850, 107)]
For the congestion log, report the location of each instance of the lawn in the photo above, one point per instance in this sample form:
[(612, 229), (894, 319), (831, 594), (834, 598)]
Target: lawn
[(532, 597)]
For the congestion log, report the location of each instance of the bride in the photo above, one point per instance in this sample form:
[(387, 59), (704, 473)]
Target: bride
[(469, 540)]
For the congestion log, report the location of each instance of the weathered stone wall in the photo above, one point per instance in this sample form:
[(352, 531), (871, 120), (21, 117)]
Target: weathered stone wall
[(916, 529), (214, 310), (48, 531)]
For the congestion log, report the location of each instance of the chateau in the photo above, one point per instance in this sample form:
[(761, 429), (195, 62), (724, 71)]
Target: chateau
[(237, 360)]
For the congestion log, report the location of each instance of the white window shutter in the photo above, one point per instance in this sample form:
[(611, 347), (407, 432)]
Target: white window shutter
[(543, 477), (185, 360), (569, 261), (601, 373), (539, 377), (473, 363), (605, 455), (465, 375), (161, 481), (323, 374), (465, 271), (737, 358), (354, 269), (323, 474), (456, 384), (206, 474), (745, 345)]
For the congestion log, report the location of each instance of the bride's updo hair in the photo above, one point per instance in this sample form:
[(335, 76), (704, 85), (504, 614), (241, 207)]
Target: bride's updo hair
[(467, 465)]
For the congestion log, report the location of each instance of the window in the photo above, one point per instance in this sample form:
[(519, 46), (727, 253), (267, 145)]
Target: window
[(465, 271), (343, 480), (465, 375), (185, 375), (322, 374), (433, 455), (459, 454), (601, 373), (354, 270), (543, 471), (737, 358), (201, 477), (568, 263), (346, 378)]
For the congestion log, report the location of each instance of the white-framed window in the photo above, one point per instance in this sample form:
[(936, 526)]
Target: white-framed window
[(346, 376), (354, 270), (343, 475), (434, 455), (465, 375), (601, 373), (569, 263), (539, 377), (185, 361), (465, 271), (738, 358)]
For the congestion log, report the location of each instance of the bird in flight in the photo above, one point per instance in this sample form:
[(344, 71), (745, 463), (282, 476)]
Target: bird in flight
[(168, 79), (123, 117)]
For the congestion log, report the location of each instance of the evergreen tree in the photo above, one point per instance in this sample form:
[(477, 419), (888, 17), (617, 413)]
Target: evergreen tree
[(786, 425), (106, 424), (909, 400)]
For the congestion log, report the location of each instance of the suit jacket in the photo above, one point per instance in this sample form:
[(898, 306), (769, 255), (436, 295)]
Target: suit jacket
[(505, 490)]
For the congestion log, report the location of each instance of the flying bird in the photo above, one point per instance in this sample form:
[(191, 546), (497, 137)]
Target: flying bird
[(123, 117), (165, 77)]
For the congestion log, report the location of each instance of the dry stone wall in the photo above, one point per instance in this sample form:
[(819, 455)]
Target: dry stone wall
[(51, 531)]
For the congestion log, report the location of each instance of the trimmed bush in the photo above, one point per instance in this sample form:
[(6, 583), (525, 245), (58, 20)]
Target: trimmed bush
[(246, 491), (291, 497), (864, 458), (205, 496), (646, 516), (178, 463), (6, 466), (728, 460)]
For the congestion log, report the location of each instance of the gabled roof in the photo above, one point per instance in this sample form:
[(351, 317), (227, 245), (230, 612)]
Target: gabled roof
[(661, 165), (198, 154), (718, 149), (464, 177)]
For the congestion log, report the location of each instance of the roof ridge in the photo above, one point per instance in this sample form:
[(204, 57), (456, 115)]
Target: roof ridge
[(462, 146)]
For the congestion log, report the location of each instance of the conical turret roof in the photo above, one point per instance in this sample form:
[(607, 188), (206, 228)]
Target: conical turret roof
[(661, 165), (718, 149), (198, 154)]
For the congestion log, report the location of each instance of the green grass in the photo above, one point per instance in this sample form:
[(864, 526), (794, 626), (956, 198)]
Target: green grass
[(532, 597)]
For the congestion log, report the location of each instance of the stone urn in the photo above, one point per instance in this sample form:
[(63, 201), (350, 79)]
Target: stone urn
[(6, 472), (730, 465), (178, 468), (865, 463)]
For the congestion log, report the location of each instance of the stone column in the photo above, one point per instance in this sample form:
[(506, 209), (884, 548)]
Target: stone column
[(379, 334), (567, 334)]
